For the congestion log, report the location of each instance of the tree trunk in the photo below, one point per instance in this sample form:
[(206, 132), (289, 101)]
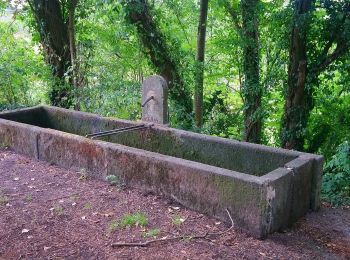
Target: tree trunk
[(298, 97), (252, 91), (73, 51), (54, 38), (198, 93), (162, 58)]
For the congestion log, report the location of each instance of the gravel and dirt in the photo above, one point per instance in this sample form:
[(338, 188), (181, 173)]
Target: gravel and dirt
[(47, 212)]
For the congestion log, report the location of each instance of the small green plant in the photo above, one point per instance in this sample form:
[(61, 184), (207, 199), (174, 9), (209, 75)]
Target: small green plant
[(137, 219), (112, 180), (112, 226), (3, 199), (88, 205), (336, 180), (29, 198), (58, 210), (177, 220), (152, 233)]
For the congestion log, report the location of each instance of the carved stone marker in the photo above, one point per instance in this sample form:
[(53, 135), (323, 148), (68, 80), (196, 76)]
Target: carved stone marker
[(155, 100)]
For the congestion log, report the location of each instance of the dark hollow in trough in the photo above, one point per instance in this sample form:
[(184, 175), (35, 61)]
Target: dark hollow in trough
[(264, 188)]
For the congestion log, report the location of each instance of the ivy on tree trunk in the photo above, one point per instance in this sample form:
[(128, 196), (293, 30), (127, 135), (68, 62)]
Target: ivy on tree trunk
[(53, 29), (247, 25), (156, 48), (252, 90), (303, 71)]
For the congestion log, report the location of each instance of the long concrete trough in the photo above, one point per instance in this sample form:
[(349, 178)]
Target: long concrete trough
[(265, 189)]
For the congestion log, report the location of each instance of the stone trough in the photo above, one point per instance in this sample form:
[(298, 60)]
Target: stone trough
[(265, 189)]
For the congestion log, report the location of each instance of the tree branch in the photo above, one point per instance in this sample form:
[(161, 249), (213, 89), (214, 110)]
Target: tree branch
[(341, 49), (335, 37), (234, 15)]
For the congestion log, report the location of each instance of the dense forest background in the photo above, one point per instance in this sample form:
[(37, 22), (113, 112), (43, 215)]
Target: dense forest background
[(274, 72)]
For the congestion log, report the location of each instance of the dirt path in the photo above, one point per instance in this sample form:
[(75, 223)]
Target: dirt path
[(50, 213)]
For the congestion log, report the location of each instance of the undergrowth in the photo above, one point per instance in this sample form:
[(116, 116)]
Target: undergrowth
[(336, 179)]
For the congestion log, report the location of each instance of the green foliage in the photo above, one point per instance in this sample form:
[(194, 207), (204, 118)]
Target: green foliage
[(24, 78), (336, 180), (329, 120), (108, 49), (3, 4)]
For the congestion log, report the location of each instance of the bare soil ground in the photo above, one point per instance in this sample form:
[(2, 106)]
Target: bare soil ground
[(47, 212)]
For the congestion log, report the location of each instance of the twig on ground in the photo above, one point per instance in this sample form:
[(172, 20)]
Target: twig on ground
[(167, 239), (63, 197)]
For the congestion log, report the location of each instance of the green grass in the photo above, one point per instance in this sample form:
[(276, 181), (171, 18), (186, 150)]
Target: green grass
[(177, 220), (112, 225), (58, 210), (29, 198), (88, 205), (129, 220), (152, 233), (136, 219)]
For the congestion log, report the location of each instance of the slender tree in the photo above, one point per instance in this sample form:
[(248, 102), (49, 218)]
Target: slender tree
[(198, 94), (248, 29)]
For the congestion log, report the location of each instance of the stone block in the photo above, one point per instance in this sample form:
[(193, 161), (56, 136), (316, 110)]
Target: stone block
[(154, 100)]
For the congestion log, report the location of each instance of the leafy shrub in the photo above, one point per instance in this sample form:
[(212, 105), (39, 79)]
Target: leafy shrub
[(329, 126), (336, 180)]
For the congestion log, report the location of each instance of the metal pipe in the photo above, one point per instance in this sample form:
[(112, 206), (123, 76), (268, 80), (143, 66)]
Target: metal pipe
[(147, 100), (114, 130), (119, 131)]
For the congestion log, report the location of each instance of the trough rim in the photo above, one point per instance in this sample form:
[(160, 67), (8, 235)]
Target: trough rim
[(270, 176)]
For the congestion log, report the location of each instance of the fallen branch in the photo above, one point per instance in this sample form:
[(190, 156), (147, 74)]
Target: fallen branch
[(167, 239)]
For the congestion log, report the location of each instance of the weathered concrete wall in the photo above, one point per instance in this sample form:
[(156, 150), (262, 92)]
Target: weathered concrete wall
[(260, 205)]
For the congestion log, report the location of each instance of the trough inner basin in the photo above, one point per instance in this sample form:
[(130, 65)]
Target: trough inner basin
[(233, 155)]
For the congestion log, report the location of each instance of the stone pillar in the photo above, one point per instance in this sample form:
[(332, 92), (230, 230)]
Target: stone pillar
[(155, 100)]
